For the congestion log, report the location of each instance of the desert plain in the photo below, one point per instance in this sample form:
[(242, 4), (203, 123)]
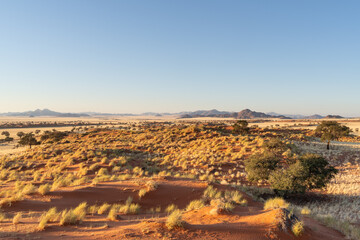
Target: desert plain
[(154, 177)]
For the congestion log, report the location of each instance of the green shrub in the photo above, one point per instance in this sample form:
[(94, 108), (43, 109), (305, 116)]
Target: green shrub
[(259, 166), (309, 172)]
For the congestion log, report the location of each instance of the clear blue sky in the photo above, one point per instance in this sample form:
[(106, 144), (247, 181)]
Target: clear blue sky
[(169, 56)]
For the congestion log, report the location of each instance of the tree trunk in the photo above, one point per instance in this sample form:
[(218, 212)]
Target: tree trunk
[(328, 145)]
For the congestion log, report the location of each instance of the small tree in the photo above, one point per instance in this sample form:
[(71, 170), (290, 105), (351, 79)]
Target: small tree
[(331, 130), (259, 166), (20, 134), (6, 134), (28, 139), (241, 127)]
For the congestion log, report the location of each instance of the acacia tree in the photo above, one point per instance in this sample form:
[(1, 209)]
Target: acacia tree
[(241, 127), (331, 130), (20, 134), (28, 139), (6, 134)]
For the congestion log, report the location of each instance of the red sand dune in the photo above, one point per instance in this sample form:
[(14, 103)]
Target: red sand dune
[(249, 222)]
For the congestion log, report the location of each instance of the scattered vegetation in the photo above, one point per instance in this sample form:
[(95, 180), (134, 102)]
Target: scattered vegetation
[(263, 162)]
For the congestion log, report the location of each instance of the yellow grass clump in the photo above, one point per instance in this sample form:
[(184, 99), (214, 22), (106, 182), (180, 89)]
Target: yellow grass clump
[(275, 203)]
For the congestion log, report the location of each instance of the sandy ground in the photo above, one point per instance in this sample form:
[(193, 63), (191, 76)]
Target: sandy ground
[(245, 222)]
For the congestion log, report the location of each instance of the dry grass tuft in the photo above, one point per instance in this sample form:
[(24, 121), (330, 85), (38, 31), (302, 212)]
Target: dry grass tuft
[(275, 203), (174, 220)]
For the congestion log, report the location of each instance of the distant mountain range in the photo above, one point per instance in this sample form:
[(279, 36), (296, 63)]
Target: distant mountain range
[(42, 113), (244, 114), (298, 116)]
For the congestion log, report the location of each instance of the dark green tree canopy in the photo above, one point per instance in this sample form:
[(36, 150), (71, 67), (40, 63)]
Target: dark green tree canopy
[(20, 134), (259, 166), (310, 171), (7, 136), (241, 127), (5, 133), (331, 130), (28, 139), (54, 136)]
